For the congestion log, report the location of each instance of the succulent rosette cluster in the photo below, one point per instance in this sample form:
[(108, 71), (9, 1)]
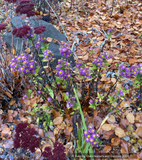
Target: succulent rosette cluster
[(3, 26), (48, 54), (65, 50), (26, 7), (25, 137), (130, 71), (63, 69), (84, 72), (23, 64), (91, 136), (21, 31), (58, 153)]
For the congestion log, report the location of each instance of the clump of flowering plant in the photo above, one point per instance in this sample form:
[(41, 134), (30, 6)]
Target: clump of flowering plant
[(91, 136), (23, 64), (25, 137), (93, 103), (58, 153)]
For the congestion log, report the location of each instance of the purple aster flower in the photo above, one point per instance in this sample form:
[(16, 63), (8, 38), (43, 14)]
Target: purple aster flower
[(71, 105), (92, 130), (96, 100), (97, 135), (24, 97), (58, 66), (122, 67), (86, 132), (94, 135), (90, 126), (48, 99), (60, 60), (95, 143), (87, 139), (67, 93), (91, 140), (140, 72), (61, 73), (91, 101), (99, 64)]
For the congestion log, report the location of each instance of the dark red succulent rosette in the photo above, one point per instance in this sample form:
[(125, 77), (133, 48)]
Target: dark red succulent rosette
[(3, 26), (39, 29), (26, 7), (21, 32), (11, 1)]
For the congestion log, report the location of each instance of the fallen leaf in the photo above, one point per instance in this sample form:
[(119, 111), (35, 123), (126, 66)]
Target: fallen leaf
[(115, 141), (41, 132), (58, 120), (124, 146), (5, 132), (107, 127), (130, 117), (51, 135), (119, 132), (107, 149), (111, 119), (38, 153), (139, 131)]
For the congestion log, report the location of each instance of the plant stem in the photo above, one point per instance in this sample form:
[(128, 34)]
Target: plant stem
[(83, 120)]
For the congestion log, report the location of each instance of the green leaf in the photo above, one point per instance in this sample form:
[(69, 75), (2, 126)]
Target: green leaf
[(39, 78), (40, 55), (35, 104), (72, 113), (37, 121), (44, 60)]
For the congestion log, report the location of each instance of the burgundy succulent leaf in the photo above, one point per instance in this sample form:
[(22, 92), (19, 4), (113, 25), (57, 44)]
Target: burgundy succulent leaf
[(25, 137), (56, 154), (3, 26), (31, 13), (26, 9), (24, 1), (39, 29), (11, 1)]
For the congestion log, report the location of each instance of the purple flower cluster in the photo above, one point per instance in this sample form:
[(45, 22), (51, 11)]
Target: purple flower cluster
[(91, 101), (21, 32), (24, 97), (23, 64), (65, 50), (48, 55), (25, 7), (91, 136), (120, 110), (40, 39), (3, 26), (119, 95), (133, 70), (100, 61), (69, 104), (25, 137), (83, 71), (64, 69), (58, 153), (30, 33)]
